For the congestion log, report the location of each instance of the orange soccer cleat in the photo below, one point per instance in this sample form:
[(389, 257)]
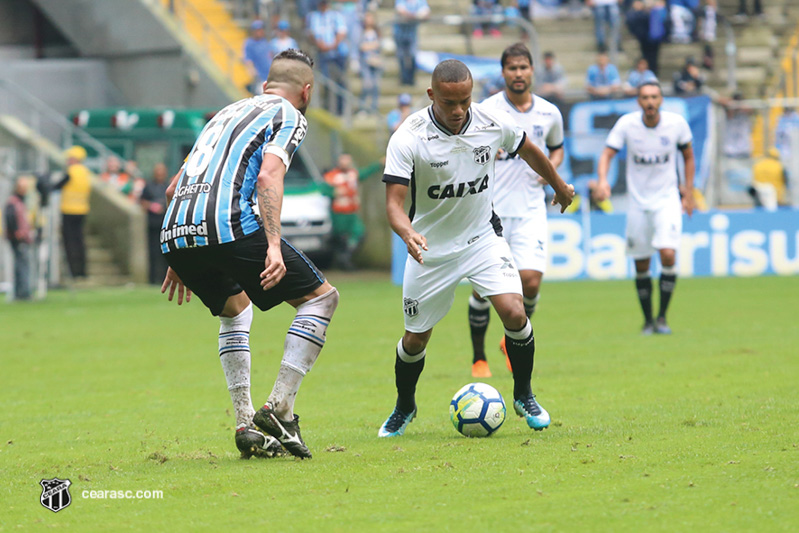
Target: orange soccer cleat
[(505, 351), (480, 369)]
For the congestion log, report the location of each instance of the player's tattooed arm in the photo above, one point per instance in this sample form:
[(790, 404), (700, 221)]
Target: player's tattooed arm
[(400, 223), (270, 204)]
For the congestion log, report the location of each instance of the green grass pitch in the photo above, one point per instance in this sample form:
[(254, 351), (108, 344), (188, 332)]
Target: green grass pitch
[(120, 390)]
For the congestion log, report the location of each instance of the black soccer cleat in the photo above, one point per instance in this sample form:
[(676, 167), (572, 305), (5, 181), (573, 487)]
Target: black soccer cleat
[(287, 432), (252, 442)]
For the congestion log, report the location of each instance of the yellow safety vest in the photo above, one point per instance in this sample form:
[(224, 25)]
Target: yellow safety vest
[(75, 193)]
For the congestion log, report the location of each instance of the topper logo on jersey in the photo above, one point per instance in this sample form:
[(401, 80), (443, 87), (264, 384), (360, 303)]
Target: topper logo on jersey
[(482, 155), (458, 190), (651, 159)]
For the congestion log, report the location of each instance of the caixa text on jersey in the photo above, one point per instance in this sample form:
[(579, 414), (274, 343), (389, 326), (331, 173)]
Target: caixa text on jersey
[(458, 190)]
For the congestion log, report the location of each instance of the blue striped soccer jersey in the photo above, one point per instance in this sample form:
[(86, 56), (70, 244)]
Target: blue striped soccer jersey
[(216, 191)]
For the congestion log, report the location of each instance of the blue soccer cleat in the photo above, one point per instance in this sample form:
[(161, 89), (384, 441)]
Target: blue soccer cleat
[(395, 425), (535, 415)]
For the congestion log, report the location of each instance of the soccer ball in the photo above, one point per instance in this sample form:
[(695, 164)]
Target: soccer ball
[(477, 410)]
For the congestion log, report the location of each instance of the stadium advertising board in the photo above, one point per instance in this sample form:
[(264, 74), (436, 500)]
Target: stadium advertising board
[(716, 243)]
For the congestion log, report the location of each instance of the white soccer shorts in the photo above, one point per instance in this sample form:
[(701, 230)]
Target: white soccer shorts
[(527, 237), (428, 290), (652, 230)]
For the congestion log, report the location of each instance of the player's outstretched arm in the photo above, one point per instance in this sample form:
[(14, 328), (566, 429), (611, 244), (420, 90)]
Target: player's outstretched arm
[(400, 223), (690, 168), (539, 162), (603, 187), (270, 203)]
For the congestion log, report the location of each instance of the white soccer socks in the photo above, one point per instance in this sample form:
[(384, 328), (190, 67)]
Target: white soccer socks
[(234, 354), (304, 341)]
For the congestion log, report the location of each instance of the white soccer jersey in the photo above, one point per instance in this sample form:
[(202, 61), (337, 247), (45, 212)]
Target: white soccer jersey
[(451, 176), (516, 190), (651, 156)]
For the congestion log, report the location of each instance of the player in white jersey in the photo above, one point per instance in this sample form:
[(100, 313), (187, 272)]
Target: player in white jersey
[(241, 158), (519, 198), (654, 218), (445, 155)]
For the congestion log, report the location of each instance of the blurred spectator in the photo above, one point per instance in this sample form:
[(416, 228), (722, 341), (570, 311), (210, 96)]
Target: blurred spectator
[(658, 31), (485, 8), (638, 20), (397, 116), (352, 13), (153, 200), (602, 79), (20, 234), (709, 21), (492, 86), (787, 128), (328, 31), (550, 81), (737, 129), (640, 74), (408, 14), (282, 40), (114, 176), (256, 56), (136, 179), (371, 62), (743, 12), (348, 228), (305, 7), (75, 188), (768, 181), (606, 20), (682, 19), (689, 79)]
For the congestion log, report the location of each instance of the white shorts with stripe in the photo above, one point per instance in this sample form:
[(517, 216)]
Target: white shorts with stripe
[(649, 230), (428, 290), (527, 237)]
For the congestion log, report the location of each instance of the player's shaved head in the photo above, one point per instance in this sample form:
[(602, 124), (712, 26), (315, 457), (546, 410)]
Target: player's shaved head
[(451, 71), (291, 76), (291, 67)]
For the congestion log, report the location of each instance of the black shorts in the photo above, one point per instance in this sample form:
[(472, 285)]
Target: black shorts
[(215, 273)]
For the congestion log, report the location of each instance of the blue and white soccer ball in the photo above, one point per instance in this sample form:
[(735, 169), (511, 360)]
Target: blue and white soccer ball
[(477, 410)]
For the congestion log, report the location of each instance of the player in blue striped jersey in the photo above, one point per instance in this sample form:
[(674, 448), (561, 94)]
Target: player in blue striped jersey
[(219, 248)]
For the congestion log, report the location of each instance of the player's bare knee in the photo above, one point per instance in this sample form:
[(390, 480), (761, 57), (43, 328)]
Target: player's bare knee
[(514, 318), (668, 257)]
